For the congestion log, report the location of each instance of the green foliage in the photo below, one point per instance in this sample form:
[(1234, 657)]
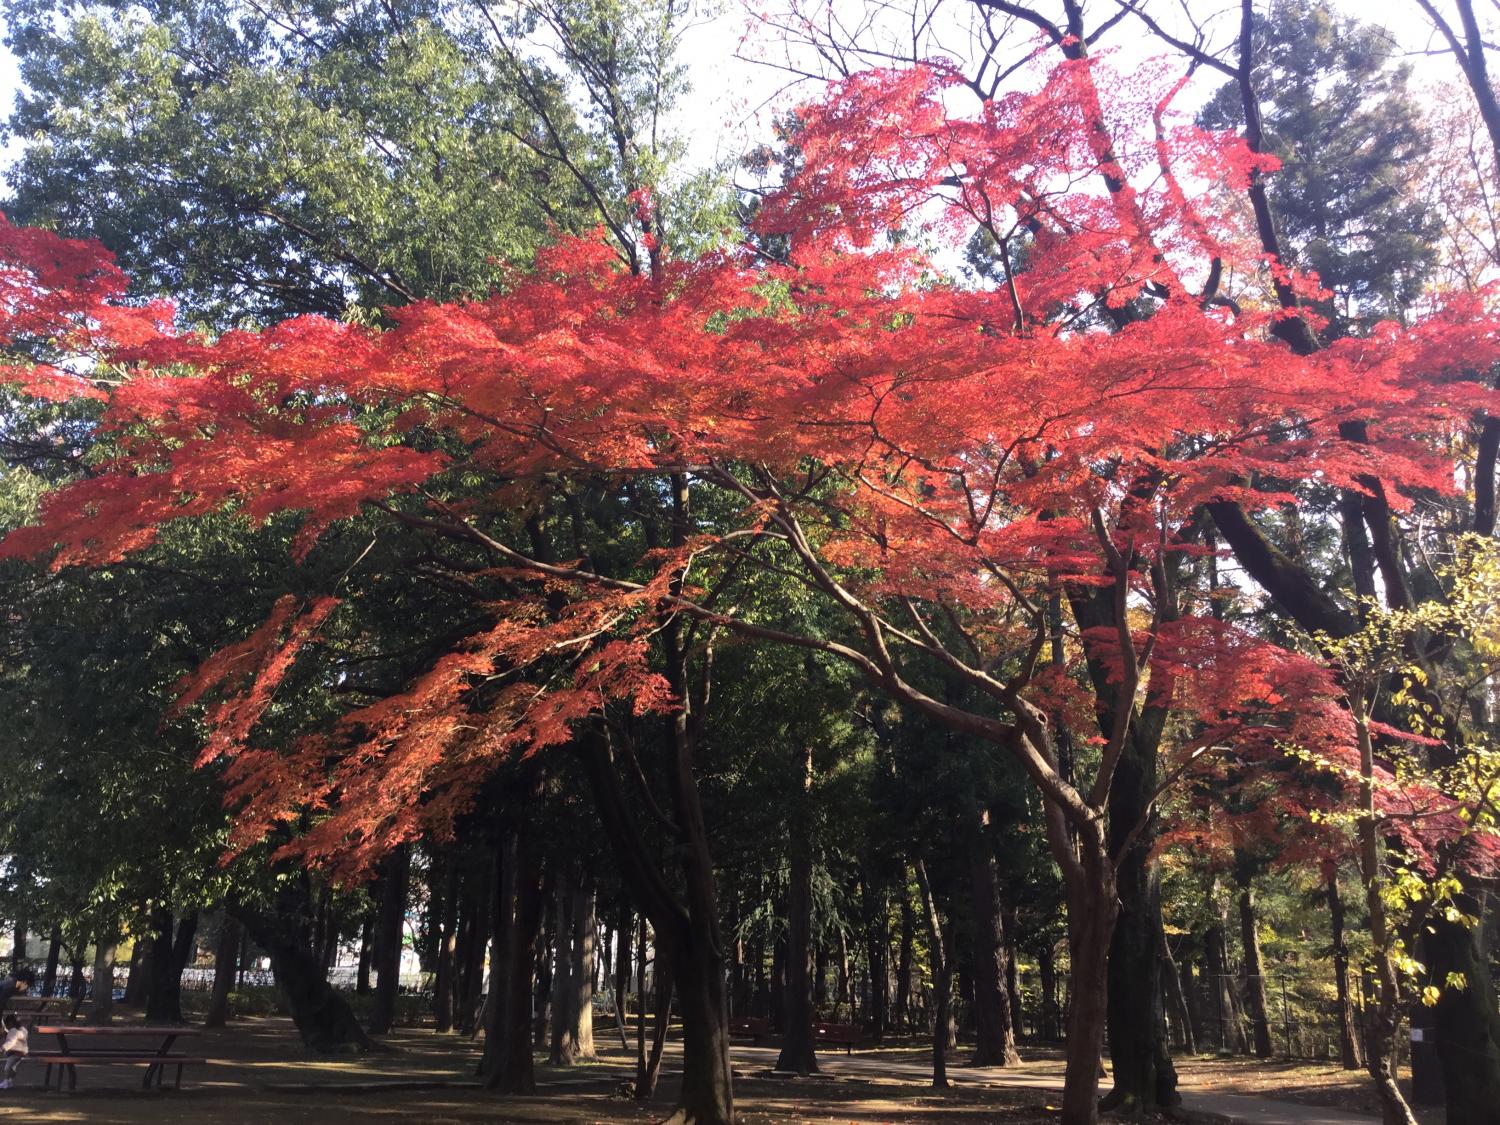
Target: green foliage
[(1340, 113)]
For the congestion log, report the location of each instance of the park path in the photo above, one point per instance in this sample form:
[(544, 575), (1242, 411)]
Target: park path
[(1046, 1075)]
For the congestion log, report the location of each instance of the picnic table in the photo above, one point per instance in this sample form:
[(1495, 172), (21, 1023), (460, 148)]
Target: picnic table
[(74, 1048)]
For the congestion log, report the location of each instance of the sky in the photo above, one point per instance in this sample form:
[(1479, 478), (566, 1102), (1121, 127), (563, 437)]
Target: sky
[(733, 96)]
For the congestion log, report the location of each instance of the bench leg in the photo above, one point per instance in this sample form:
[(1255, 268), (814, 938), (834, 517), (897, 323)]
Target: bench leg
[(72, 1076), (178, 1084), (47, 1078)]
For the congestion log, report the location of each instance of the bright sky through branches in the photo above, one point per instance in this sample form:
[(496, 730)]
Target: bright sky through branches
[(735, 95)]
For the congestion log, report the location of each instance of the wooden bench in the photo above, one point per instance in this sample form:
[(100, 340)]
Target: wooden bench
[(846, 1035), (50, 1007), (28, 1011), (749, 1027), (156, 1065), (82, 1051)]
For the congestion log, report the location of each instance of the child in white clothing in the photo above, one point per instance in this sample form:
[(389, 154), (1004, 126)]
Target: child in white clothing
[(15, 1047)]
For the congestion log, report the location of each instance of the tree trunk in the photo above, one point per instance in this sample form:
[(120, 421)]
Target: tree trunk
[(687, 930), (1231, 1035), (1351, 1057), (1093, 901), (648, 1064), (778, 983), (169, 956), (903, 960), (471, 953), (102, 1006), (138, 982), (582, 1006), (1386, 1020), (995, 1033), (225, 955), (797, 1055), (523, 896), (564, 1047), (1176, 999), (820, 977), (18, 949), (322, 1017), (445, 984), (1144, 1077), (76, 980), (54, 953), (941, 940), (1193, 995), (622, 970), (1012, 970), (1051, 1021), (1255, 981), (389, 931), (366, 955), (245, 959), (877, 937)]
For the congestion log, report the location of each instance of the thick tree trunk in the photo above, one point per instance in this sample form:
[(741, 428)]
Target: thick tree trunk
[(696, 948), (169, 956), (563, 967), (323, 1019), (1092, 906), (390, 929), (523, 897), (102, 1005), (584, 923), (1144, 1077), (1255, 981), (226, 953), (995, 1033), (18, 948), (797, 1054), (138, 981), (1465, 1022)]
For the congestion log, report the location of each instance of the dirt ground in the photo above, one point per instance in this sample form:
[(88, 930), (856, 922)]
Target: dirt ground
[(1307, 1083), (259, 1074)]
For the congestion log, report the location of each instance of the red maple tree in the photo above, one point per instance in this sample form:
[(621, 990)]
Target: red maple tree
[(933, 460)]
